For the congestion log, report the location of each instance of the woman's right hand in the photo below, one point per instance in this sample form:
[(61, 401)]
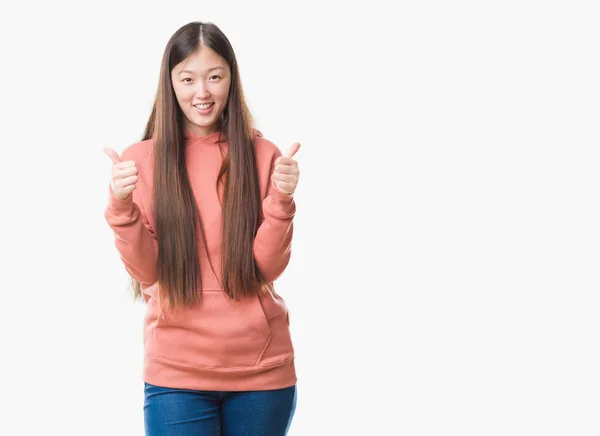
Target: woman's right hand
[(124, 175)]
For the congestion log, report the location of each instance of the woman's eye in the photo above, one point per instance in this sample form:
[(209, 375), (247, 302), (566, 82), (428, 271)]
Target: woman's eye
[(186, 80), (216, 77)]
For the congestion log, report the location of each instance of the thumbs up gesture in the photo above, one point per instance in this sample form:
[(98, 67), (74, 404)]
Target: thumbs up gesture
[(124, 175), (286, 173)]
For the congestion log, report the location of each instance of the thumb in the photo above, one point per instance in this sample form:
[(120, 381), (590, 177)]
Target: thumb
[(292, 150), (114, 156)]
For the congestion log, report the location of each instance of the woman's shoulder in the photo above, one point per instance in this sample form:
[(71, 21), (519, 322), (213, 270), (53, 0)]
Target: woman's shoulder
[(264, 146), (139, 151)]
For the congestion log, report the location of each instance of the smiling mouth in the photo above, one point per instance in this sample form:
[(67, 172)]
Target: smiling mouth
[(204, 106)]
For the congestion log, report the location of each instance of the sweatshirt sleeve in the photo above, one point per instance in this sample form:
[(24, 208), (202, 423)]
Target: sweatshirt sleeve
[(273, 241), (135, 241)]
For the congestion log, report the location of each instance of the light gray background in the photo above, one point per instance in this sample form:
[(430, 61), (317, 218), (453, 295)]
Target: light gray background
[(444, 275)]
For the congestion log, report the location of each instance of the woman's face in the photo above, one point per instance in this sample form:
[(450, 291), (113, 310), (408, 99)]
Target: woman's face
[(201, 85)]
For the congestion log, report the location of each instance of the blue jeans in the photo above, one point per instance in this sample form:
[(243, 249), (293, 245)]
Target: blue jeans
[(186, 412)]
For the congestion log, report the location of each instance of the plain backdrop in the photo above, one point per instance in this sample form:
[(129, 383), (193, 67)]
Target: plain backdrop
[(444, 274)]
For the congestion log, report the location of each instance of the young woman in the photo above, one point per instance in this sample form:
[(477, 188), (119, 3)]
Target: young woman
[(202, 212)]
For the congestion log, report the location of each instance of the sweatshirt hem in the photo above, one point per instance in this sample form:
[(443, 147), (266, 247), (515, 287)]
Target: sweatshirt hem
[(160, 371)]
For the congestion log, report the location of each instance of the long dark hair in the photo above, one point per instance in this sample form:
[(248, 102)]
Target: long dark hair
[(177, 218)]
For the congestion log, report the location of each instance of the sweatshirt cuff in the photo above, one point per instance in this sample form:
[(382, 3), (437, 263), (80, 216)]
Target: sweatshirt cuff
[(118, 206), (281, 203)]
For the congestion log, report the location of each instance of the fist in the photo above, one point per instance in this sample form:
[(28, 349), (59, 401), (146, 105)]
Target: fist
[(286, 172), (124, 175)]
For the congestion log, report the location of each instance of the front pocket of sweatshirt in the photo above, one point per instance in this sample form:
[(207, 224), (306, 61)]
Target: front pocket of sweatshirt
[(217, 333)]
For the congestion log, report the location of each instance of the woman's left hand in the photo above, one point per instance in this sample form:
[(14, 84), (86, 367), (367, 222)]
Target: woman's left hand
[(286, 173)]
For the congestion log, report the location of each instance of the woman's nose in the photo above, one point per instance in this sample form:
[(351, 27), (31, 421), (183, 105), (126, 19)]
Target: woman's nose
[(202, 91)]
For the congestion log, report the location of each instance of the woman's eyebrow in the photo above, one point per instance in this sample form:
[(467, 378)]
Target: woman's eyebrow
[(192, 72)]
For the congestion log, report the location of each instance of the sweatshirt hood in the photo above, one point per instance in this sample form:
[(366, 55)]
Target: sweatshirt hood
[(212, 138)]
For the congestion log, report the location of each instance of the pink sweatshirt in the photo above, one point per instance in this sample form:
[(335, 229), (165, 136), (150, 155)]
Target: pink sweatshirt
[(216, 345)]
